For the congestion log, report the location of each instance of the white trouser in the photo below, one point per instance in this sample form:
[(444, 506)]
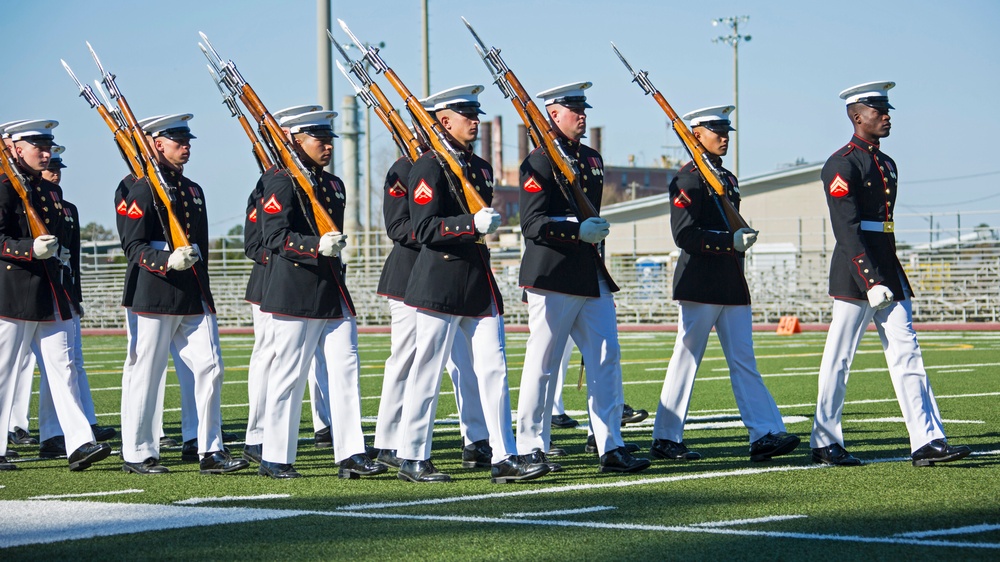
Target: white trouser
[(185, 379), (23, 380), (55, 341), (734, 326), (296, 343), (468, 397), (319, 393), (261, 362), (906, 370), (48, 421), (436, 334), (558, 408), (196, 338), (552, 319), (403, 347)]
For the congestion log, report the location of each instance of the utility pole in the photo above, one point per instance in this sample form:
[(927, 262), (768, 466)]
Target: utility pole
[(349, 133), (427, 49), (324, 60), (733, 40)]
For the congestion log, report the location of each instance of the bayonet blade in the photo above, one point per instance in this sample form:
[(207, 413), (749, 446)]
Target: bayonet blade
[(474, 34), (622, 58), (353, 37), (357, 89), (218, 57), (71, 75), (218, 82), (339, 47), (96, 59), (104, 96)]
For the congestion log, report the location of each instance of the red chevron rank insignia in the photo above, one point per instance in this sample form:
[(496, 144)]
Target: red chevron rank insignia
[(253, 215), (423, 194), (531, 186), (682, 200), (271, 206), (397, 189), (122, 208), (838, 187), (134, 212)]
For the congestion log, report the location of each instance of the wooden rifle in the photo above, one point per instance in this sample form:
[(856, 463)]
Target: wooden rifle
[(173, 228), (259, 153), (539, 127), (8, 163), (439, 141), (113, 119), (702, 159), (407, 142), (286, 157)]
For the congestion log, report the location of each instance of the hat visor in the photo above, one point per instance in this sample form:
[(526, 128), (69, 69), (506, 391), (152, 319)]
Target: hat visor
[(56, 165), (878, 104), (179, 137), (321, 134)]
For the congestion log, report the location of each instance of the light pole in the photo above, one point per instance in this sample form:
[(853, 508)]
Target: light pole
[(733, 40)]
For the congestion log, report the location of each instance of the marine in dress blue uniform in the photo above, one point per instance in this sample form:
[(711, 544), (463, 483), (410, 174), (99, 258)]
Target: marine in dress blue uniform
[(711, 290), (310, 306), (456, 297), (35, 306), (569, 292), (868, 284), (173, 303)]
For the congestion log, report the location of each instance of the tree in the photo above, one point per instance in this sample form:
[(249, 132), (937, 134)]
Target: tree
[(95, 231)]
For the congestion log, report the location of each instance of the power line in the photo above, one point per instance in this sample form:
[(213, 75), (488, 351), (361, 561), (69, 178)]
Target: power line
[(955, 177)]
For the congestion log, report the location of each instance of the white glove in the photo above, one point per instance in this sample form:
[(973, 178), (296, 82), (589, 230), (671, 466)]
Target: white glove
[(331, 243), (63, 254), (487, 220), (182, 258), (879, 297), (44, 247), (744, 238), (594, 229)]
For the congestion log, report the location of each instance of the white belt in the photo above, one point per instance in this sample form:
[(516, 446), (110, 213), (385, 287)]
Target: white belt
[(161, 245), (564, 219), (875, 226)]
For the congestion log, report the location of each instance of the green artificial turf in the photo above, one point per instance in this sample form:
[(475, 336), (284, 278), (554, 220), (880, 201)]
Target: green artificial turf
[(720, 507)]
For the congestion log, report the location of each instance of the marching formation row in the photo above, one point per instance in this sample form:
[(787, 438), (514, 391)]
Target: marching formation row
[(446, 308)]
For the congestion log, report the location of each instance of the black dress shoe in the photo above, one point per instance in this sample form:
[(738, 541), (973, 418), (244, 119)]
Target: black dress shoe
[(87, 454), (773, 445), (388, 457), (228, 437), (421, 472), (671, 450), (253, 453), (221, 462), (834, 455), (189, 452), (539, 457), (168, 442), (620, 460), (11, 454), (633, 416), (102, 433), (4, 465), (517, 469), (556, 451), (278, 471), (356, 466), (937, 451), (564, 421), (53, 448), (323, 439), (477, 455), (148, 466), (592, 446), (20, 437)]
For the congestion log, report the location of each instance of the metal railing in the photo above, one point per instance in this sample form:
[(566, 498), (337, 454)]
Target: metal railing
[(954, 280)]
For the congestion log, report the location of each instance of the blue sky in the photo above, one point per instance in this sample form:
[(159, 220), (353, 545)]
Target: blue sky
[(802, 54)]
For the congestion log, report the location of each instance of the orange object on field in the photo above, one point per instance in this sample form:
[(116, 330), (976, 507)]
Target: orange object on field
[(788, 325)]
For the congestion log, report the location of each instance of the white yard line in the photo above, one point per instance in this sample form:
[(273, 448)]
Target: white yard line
[(770, 519), (972, 529), (593, 509), (196, 501), (86, 495)]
